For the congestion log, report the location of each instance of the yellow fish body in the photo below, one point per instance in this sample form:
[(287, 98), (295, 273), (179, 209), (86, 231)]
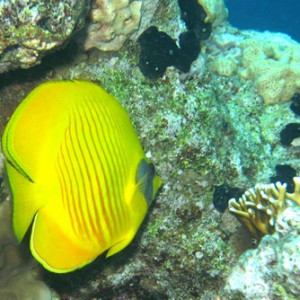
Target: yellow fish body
[(77, 173)]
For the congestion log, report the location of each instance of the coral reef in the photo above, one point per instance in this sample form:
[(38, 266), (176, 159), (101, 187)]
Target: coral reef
[(259, 207), (112, 22), (201, 129), (183, 239), (30, 29), (272, 270), (271, 60)]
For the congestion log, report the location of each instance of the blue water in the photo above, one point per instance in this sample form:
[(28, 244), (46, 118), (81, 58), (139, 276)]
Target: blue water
[(272, 15)]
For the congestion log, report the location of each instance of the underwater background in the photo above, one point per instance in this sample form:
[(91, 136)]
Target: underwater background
[(277, 16), (216, 108)]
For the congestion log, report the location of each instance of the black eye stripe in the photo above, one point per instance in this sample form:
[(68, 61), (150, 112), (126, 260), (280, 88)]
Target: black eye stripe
[(144, 177)]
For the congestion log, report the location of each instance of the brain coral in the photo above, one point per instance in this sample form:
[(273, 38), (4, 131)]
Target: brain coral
[(30, 29), (113, 21)]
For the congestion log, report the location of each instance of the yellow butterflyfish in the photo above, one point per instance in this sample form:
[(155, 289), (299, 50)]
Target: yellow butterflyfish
[(78, 175)]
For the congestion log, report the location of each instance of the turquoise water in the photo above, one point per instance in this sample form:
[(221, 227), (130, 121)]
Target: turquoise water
[(276, 16)]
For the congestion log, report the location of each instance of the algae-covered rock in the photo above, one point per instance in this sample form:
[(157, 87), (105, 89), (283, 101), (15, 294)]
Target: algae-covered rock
[(30, 29), (18, 280)]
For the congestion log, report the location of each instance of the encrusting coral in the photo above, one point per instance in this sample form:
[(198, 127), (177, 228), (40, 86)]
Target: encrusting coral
[(270, 60), (273, 62), (111, 22), (259, 207)]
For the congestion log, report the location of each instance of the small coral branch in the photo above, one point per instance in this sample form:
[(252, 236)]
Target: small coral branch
[(259, 207)]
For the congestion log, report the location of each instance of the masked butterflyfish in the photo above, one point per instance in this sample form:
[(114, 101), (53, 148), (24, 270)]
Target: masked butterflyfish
[(79, 178)]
